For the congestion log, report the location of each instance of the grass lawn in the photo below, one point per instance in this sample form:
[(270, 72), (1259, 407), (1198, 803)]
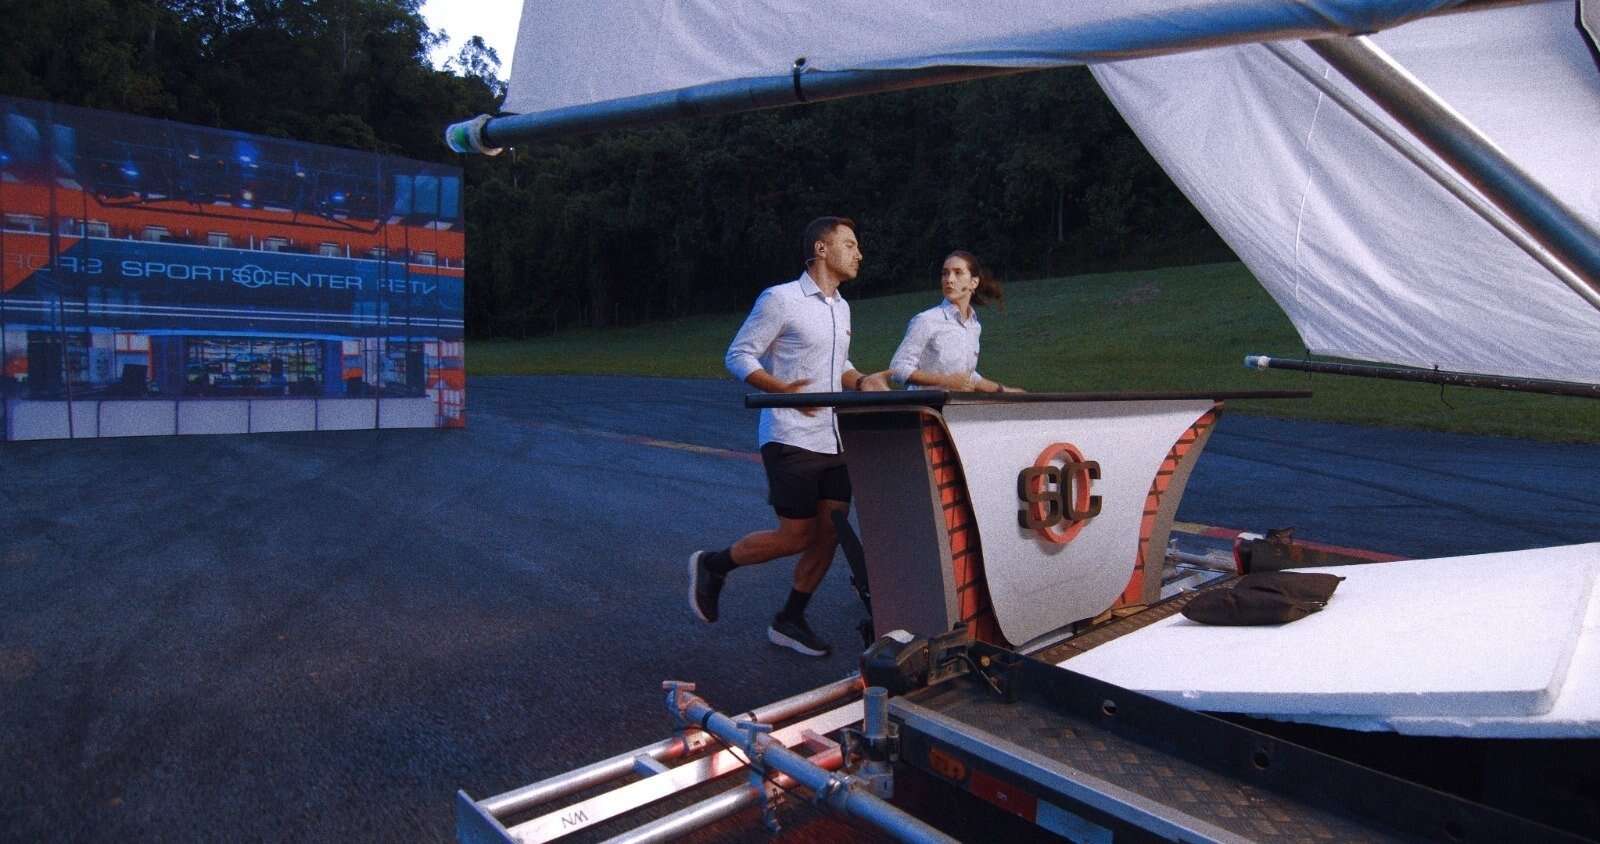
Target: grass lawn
[(1182, 328)]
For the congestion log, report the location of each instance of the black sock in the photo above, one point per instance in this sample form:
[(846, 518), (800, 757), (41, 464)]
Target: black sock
[(795, 608), (720, 563)]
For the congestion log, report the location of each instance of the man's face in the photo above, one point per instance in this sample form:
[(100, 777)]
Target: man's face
[(840, 253)]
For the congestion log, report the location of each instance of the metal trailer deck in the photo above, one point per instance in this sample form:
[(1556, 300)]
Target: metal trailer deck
[(1018, 745), (1094, 762)]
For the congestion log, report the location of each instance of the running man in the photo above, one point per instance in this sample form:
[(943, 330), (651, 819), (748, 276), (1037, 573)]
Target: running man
[(796, 340)]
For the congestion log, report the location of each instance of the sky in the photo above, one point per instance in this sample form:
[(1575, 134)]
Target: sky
[(495, 20)]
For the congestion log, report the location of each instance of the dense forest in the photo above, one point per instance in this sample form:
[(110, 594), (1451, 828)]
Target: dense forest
[(1036, 172)]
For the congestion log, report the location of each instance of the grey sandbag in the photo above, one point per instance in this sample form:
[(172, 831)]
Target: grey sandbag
[(1276, 597)]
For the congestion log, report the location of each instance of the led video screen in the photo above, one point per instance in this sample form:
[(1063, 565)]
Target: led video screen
[(161, 278)]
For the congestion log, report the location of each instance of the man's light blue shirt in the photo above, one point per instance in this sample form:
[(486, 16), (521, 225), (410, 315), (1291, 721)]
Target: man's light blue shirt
[(795, 332)]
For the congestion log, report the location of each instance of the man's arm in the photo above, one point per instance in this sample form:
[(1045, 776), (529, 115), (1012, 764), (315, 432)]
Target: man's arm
[(754, 338), (766, 382), (985, 385)]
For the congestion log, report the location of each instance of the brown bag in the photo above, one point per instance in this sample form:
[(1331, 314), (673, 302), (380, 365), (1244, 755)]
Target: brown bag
[(1299, 585), (1275, 597)]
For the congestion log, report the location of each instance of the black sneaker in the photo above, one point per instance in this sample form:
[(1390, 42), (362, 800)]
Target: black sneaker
[(704, 587), (794, 633)]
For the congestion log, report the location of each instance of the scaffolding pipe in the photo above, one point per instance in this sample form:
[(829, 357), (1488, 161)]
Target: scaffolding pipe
[(1444, 177), (838, 792), (1569, 238), (1203, 562), (487, 135), (875, 714), (571, 782), (713, 809)]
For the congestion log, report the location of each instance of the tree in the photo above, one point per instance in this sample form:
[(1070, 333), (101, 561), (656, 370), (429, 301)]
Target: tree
[(1035, 172), (477, 60)]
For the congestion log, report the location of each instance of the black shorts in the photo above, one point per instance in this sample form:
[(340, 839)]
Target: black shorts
[(797, 479)]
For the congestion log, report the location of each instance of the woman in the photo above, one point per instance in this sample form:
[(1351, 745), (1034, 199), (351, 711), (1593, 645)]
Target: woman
[(940, 348)]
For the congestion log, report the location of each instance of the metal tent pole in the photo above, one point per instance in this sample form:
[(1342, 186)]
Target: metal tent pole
[(1569, 238), (1428, 376), (485, 134), (1444, 177)]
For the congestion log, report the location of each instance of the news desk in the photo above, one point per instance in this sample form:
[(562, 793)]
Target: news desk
[(1016, 513)]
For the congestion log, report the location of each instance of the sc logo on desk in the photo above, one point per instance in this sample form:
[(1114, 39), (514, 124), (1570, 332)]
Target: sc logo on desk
[(1056, 493)]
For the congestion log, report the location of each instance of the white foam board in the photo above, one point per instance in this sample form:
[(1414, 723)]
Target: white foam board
[(1575, 714), (1490, 634)]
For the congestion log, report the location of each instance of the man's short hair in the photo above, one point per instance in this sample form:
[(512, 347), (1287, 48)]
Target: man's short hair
[(818, 229)]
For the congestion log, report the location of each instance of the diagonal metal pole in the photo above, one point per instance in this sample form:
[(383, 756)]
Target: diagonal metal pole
[(488, 135), (1570, 239), (1184, 30), (1440, 174)]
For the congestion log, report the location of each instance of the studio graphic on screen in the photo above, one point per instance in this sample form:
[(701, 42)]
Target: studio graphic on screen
[(161, 278)]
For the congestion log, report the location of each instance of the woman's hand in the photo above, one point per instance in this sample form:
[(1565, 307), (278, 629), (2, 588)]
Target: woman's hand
[(875, 382)]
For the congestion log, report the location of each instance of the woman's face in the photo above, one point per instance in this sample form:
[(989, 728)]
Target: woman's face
[(956, 281)]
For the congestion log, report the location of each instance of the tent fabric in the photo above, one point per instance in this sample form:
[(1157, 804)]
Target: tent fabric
[(570, 54), (1369, 257)]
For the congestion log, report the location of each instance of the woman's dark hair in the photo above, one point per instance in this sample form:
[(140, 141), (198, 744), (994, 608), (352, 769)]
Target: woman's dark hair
[(988, 283)]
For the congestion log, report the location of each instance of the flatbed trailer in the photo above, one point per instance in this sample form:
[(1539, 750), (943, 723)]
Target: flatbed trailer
[(1005, 516), (1015, 747), (975, 547)]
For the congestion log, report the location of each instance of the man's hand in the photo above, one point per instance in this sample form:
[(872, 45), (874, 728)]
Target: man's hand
[(765, 382), (876, 382), (984, 385), (796, 386), (960, 382)]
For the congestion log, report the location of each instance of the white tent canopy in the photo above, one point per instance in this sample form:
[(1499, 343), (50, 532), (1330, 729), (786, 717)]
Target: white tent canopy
[(578, 53), (1369, 257)]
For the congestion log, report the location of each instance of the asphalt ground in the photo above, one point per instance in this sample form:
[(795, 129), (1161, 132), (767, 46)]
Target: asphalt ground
[(320, 635)]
